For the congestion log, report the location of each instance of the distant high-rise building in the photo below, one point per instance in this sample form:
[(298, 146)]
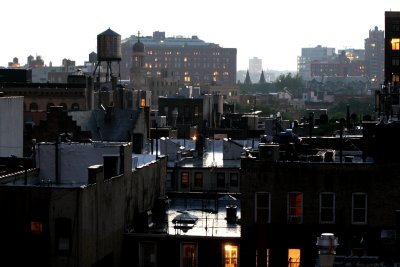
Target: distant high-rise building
[(392, 47), (375, 57), (255, 68), (255, 65), (310, 54), (191, 60)]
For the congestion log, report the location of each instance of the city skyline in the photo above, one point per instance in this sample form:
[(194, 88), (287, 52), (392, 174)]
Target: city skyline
[(274, 33)]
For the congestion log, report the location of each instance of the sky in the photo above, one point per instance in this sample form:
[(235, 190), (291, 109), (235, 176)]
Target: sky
[(274, 31)]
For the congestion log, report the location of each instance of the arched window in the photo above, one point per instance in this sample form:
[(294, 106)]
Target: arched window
[(64, 106), (49, 105), (75, 106), (33, 106)]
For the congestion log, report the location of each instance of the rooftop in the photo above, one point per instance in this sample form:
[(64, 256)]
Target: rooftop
[(219, 217)]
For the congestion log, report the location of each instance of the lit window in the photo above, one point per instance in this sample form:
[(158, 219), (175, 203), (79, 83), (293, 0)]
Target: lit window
[(185, 179), (263, 207), (36, 227), (293, 257), (189, 255), (231, 255), (142, 102), (327, 208), (395, 43), (359, 208), (198, 179), (395, 77), (295, 208)]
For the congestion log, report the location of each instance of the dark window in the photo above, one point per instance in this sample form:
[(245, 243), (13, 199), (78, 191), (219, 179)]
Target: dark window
[(220, 179), (263, 204), (359, 208), (198, 179), (75, 106), (327, 208), (234, 179), (33, 106), (49, 105)]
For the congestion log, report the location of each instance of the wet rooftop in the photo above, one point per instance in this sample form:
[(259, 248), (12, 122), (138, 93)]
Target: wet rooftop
[(204, 217)]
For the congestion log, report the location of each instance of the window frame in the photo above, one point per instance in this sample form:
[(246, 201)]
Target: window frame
[(184, 179), (182, 254), (219, 179), (198, 179), (327, 208), (292, 216), (354, 209), (234, 179), (259, 208), (143, 248)]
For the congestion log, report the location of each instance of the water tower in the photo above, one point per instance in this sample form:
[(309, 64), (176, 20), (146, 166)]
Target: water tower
[(108, 52)]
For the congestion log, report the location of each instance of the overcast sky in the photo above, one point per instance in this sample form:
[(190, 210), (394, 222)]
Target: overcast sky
[(274, 31)]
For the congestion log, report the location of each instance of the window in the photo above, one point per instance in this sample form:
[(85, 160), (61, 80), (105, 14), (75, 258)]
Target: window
[(33, 106), (395, 43), (293, 257), (262, 258), (198, 179), (295, 207), (359, 208), (231, 255), (327, 207), (184, 179), (147, 254), (49, 105), (234, 179), (63, 231), (395, 77), (36, 227), (188, 255), (395, 26), (75, 106), (220, 179), (263, 207)]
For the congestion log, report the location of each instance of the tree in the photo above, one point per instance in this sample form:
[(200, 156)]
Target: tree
[(247, 80), (289, 82), (262, 78)]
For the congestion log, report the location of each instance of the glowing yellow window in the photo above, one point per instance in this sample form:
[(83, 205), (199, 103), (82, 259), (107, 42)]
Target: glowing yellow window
[(142, 102), (395, 43), (231, 255), (293, 257)]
